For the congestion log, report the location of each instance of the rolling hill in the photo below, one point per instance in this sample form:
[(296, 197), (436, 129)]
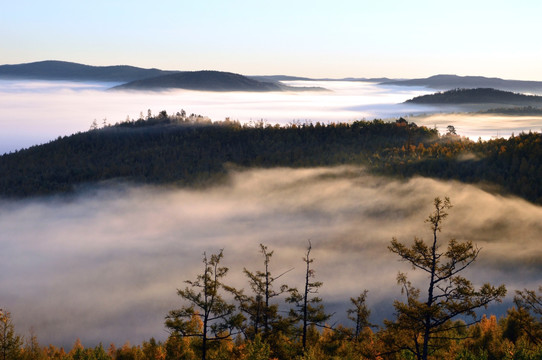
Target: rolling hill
[(62, 70), (201, 80), (208, 80), (135, 78), (477, 96)]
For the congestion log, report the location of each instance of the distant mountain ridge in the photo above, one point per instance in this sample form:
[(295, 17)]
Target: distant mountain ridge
[(63, 70), (448, 82), (135, 78)]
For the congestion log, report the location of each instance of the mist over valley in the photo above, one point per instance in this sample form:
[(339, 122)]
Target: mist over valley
[(105, 264)]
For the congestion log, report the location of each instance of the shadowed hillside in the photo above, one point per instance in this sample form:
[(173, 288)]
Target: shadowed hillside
[(193, 151), (202, 80), (446, 82)]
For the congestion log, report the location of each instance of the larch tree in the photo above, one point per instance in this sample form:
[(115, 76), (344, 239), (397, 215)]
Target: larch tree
[(206, 302), (427, 324), (10, 342), (359, 313), (261, 312), (308, 308)]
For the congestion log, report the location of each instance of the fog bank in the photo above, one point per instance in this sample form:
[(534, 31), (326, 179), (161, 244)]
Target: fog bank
[(34, 112), (105, 265)]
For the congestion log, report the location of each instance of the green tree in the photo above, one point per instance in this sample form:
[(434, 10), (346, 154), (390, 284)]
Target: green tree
[(308, 308), (205, 301), (428, 323), (10, 342)]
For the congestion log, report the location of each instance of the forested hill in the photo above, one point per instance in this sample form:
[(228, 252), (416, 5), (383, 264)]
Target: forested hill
[(202, 80), (189, 151), (63, 70), (446, 82), (478, 96), (192, 151)]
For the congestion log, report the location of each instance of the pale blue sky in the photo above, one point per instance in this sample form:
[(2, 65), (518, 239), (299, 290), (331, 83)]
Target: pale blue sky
[(307, 38)]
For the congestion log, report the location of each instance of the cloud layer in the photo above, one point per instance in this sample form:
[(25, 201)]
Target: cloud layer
[(105, 265)]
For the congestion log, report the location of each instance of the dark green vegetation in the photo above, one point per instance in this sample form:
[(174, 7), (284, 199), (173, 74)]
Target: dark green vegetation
[(446, 82), (209, 324), (477, 96), (193, 151), (62, 70)]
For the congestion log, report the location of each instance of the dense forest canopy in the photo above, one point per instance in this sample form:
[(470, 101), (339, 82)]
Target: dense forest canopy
[(194, 151)]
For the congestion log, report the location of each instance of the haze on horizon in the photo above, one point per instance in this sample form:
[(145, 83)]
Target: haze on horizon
[(305, 38), (35, 112)]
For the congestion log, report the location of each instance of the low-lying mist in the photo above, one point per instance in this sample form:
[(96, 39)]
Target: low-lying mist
[(34, 112), (484, 126), (104, 265)]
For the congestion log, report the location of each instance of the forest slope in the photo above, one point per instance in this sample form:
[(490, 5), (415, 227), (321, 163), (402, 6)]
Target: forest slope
[(194, 152)]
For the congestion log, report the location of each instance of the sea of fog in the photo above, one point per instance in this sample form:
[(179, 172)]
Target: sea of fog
[(104, 265), (34, 112)]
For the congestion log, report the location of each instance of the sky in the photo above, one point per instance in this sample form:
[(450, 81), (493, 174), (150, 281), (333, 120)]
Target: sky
[(399, 39)]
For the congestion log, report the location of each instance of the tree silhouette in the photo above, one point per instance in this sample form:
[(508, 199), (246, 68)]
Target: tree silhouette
[(262, 314)]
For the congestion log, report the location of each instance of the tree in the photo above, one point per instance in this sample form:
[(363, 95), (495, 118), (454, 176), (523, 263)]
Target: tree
[(261, 312), (218, 317), (428, 323), (32, 349), (308, 309), (528, 315), (10, 342), (360, 313)]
